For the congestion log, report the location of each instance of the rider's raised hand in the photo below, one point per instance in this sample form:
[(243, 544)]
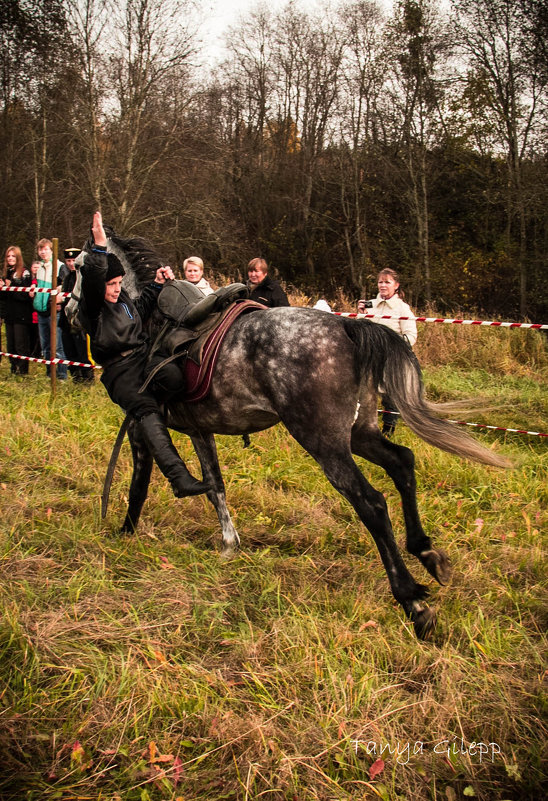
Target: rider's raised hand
[(99, 236)]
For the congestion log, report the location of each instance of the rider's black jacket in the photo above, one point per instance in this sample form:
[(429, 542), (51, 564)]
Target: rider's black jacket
[(113, 328)]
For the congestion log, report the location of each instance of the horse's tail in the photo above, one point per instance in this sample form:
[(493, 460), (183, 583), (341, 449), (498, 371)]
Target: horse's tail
[(395, 368)]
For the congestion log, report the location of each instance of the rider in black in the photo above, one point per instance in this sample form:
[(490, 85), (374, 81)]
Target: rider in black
[(120, 344)]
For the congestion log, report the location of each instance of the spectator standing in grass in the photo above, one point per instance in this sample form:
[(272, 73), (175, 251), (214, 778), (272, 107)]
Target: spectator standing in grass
[(35, 349), (193, 268), (42, 305), (390, 301), (262, 288), (74, 341), (17, 310)]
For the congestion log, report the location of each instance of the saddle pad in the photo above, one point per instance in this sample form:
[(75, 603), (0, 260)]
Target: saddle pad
[(198, 376)]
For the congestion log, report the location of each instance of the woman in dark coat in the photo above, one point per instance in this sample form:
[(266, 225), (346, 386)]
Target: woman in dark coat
[(262, 288), (17, 310)]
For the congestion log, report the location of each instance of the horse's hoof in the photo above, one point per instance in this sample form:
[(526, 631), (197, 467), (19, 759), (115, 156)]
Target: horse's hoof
[(424, 623), (438, 565), (229, 552)]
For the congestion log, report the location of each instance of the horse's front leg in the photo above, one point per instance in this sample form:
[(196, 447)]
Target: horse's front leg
[(140, 479), (205, 447)]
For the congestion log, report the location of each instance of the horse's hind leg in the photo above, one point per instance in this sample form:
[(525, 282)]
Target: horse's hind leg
[(344, 474), (140, 479), (204, 445), (399, 463)]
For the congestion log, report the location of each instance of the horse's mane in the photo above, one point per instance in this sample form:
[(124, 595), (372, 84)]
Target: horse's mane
[(138, 258)]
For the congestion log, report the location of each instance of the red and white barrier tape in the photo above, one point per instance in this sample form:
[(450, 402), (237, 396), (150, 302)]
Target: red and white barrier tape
[(380, 411), (499, 428), (36, 360), (536, 326), (479, 425), (456, 321), (36, 289)]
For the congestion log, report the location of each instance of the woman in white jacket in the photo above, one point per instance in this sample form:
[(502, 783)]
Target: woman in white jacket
[(389, 303), (193, 268)]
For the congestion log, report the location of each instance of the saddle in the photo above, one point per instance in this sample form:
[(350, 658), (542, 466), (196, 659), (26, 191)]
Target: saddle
[(199, 347), (204, 351)]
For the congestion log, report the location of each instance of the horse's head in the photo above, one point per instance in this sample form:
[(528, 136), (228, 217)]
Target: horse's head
[(138, 259)]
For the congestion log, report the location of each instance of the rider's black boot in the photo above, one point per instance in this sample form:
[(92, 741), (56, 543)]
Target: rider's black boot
[(166, 457)]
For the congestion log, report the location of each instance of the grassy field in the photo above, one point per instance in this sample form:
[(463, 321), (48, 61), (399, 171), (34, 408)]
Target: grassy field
[(147, 667)]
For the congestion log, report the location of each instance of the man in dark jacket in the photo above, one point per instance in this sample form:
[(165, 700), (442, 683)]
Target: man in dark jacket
[(74, 342), (262, 288), (120, 344)]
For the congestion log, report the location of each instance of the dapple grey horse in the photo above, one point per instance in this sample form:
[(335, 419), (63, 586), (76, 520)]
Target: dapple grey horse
[(320, 376)]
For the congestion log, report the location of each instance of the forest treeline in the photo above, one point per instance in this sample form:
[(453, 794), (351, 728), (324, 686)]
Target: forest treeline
[(332, 141)]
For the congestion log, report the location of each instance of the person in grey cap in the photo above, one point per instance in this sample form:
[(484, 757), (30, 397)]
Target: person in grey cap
[(74, 341)]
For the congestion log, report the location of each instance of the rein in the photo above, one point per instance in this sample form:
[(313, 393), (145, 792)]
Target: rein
[(112, 465)]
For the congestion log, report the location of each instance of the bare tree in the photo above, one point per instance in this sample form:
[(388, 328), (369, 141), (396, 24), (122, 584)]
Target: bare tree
[(30, 60), (512, 87), (308, 57), (420, 45), (88, 22), (362, 78), (148, 71)]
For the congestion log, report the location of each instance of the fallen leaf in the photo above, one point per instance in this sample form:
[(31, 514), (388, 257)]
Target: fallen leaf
[(376, 768), (163, 758), (77, 753), (166, 564), (177, 771), (160, 657)]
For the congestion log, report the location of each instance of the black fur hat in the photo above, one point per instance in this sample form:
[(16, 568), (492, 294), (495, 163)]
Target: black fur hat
[(114, 268), (71, 253)]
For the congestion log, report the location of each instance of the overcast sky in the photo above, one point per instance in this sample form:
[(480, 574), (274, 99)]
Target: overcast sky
[(219, 15)]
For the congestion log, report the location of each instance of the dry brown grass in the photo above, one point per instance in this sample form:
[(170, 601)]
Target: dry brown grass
[(147, 668)]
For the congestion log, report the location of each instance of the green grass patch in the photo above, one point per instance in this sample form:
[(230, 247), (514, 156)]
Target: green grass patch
[(147, 667)]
